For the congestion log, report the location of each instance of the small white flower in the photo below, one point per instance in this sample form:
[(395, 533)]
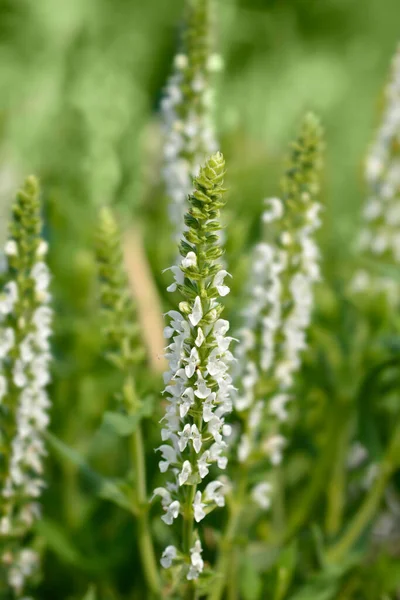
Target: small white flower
[(8, 298), (215, 63), (178, 276), (197, 563), (277, 406), (169, 456), (187, 400), (172, 512), (168, 556), (286, 239), (203, 465), (244, 448), (196, 439), (19, 375), (357, 455), (3, 387), (42, 249), (164, 494), (185, 473), (273, 446), (197, 312), (200, 337), (11, 248), (198, 508), (261, 494), (274, 210), (181, 61), (218, 283), (192, 361), (190, 260), (7, 340), (213, 493), (41, 275), (185, 436)]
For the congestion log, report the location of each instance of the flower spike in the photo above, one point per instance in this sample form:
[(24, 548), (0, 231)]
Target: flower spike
[(199, 386)]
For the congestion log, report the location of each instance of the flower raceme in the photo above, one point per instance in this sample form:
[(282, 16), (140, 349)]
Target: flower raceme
[(25, 328), (187, 110), (380, 234), (121, 331), (278, 313), (198, 384)]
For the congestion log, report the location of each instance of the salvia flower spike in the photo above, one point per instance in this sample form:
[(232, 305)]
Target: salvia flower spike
[(121, 329), (380, 234), (25, 328), (285, 267), (198, 384), (187, 110)]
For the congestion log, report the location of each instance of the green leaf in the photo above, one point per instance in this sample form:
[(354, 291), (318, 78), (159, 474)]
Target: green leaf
[(285, 570), (369, 390), (58, 541), (120, 424), (90, 594), (105, 488), (250, 582), (326, 584), (124, 425)]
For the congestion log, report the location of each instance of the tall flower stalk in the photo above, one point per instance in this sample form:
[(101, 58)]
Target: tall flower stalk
[(284, 270), (187, 110), (199, 386), (380, 235), (25, 328), (125, 351)]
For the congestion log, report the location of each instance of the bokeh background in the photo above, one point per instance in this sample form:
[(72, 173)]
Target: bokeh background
[(81, 83)]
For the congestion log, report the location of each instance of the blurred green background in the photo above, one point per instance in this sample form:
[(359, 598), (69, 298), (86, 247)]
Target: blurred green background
[(80, 87)]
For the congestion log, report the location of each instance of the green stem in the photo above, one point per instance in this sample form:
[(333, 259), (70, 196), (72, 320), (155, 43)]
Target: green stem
[(337, 486), (145, 542), (187, 534), (311, 494), (233, 588), (367, 511), (227, 542)]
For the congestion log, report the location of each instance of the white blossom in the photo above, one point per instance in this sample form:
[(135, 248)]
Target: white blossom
[(379, 236), (198, 507), (213, 493), (198, 388), (172, 511), (185, 473), (168, 556), (284, 269), (8, 298), (197, 563), (197, 312), (261, 494), (11, 248)]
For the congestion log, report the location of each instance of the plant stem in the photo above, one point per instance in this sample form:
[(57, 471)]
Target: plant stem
[(316, 486), (227, 542), (187, 535), (145, 542), (337, 486), (365, 514)]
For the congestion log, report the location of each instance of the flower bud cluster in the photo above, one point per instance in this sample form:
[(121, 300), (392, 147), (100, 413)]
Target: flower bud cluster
[(124, 348), (25, 328), (198, 384)]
